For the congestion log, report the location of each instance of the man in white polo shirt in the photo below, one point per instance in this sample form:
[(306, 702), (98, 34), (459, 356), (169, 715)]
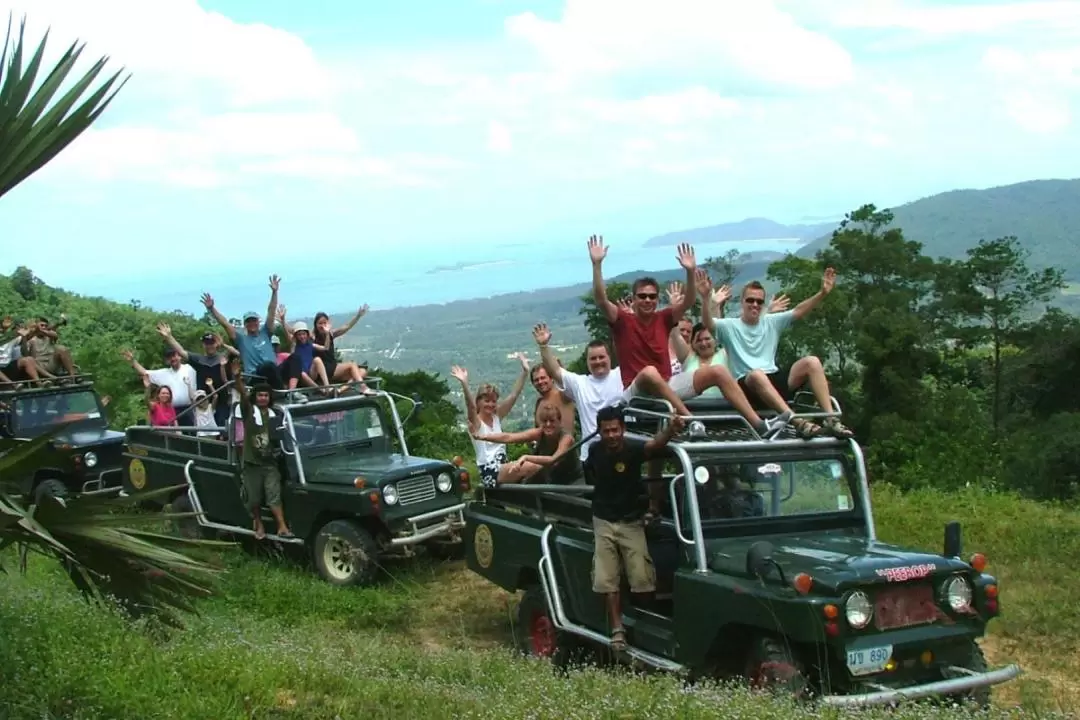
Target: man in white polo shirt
[(178, 376)]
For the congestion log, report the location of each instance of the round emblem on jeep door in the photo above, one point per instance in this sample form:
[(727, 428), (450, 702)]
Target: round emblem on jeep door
[(483, 546), (137, 474)]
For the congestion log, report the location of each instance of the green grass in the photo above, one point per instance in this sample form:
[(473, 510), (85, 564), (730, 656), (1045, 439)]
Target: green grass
[(434, 640)]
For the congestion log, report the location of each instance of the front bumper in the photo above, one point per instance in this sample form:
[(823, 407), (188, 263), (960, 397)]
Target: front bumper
[(447, 521), (888, 696), (105, 482)]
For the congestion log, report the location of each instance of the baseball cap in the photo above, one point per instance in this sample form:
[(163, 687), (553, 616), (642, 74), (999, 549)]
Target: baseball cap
[(200, 395), (251, 315), (209, 337)]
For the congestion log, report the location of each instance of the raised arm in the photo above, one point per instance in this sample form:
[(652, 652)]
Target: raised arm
[(660, 440), (166, 333), (719, 300), (507, 403), (208, 302), (352, 323), (828, 280), (675, 296), (271, 308), (597, 253), (530, 435), (704, 291), (551, 363), (688, 262), (565, 444), (462, 376), (237, 369), (130, 357)]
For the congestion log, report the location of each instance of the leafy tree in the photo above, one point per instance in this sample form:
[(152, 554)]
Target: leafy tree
[(33, 129), (723, 269), (996, 289), (597, 324), (434, 431), (24, 283)]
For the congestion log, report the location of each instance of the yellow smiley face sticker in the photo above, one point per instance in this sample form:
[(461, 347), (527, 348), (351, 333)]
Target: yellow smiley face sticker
[(137, 474), (620, 467)]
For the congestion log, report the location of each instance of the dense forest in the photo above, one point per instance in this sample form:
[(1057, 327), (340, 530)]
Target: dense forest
[(955, 372)]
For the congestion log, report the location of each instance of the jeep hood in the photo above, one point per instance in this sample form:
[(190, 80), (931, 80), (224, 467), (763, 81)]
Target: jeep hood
[(836, 562), (375, 469), (87, 437)]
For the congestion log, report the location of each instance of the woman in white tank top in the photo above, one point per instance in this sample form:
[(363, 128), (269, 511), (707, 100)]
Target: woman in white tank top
[(485, 413)]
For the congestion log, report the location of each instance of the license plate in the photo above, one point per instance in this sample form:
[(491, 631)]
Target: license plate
[(867, 661)]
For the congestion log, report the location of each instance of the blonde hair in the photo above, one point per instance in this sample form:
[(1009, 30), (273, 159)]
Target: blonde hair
[(547, 410), (484, 391)]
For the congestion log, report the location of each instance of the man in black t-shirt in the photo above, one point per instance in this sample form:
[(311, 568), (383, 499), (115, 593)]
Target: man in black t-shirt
[(619, 513), (211, 364)]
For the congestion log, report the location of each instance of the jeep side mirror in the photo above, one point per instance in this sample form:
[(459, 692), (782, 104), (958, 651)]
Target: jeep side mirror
[(953, 540), (759, 559)]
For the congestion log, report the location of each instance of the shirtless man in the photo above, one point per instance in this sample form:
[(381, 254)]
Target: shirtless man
[(545, 388)]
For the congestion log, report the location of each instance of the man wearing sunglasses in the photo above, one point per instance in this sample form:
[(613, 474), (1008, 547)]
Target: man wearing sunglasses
[(752, 340)]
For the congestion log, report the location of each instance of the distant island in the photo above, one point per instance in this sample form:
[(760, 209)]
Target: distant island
[(458, 267), (747, 230)]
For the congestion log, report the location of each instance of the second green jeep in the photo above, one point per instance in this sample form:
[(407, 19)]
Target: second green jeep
[(351, 492)]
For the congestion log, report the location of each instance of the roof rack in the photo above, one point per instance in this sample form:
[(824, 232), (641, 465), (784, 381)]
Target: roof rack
[(325, 392), (723, 423), (47, 385)]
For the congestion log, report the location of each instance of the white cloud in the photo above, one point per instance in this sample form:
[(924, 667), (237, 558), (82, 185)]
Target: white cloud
[(499, 138), (1037, 89), (749, 37), (958, 19)]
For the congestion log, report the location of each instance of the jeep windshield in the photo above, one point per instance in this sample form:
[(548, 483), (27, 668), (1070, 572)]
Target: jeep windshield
[(772, 487), (36, 414), (359, 428)]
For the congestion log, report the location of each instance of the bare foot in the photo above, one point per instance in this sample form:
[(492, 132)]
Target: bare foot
[(260, 531)]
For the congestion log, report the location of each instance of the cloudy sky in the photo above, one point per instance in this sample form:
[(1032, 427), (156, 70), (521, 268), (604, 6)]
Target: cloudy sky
[(275, 132)]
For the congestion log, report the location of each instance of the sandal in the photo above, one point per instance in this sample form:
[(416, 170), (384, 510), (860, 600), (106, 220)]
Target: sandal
[(807, 429), (618, 639), (837, 429)]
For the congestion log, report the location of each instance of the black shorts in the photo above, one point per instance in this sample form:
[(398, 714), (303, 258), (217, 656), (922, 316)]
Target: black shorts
[(777, 379), (12, 371)]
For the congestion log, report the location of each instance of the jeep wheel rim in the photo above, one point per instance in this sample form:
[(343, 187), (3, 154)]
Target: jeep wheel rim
[(541, 635), (338, 558)]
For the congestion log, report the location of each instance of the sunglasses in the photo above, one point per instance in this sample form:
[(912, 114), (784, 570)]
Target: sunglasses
[(647, 296), (754, 301)]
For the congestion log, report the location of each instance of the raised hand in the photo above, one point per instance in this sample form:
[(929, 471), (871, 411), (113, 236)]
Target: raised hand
[(677, 423), (703, 282), (209, 383), (597, 249), (362, 311), (164, 330), (460, 373), (828, 280), (675, 293), (625, 304), (523, 359), (281, 314), (6, 323), (275, 282), (541, 334), (721, 295), (779, 303), (208, 301), (127, 355), (687, 259)]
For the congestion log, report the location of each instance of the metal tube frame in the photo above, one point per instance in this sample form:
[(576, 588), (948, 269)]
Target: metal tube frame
[(888, 696), (454, 519), (200, 514)]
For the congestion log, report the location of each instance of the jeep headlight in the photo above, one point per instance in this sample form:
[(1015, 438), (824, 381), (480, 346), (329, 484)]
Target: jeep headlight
[(389, 494), (858, 610), (90, 459), (958, 593), (444, 482)]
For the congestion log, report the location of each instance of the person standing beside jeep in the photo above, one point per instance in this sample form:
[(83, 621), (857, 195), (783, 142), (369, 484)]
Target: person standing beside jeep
[(261, 477), (619, 515), (254, 344)]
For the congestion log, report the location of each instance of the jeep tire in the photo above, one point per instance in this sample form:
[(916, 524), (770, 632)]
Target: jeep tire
[(535, 635), (771, 667), (345, 553), (187, 527), (975, 661), (50, 487)]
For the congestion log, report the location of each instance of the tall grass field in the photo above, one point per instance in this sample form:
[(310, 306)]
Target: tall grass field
[(435, 641)]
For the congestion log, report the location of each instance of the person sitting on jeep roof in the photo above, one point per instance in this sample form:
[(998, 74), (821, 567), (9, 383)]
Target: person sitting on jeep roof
[(545, 388), (619, 517), (256, 350), (281, 355), (752, 340), (15, 368), (550, 444), (178, 376), (261, 477), (325, 335), (303, 364), (485, 415), (160, 411), (40, 345)]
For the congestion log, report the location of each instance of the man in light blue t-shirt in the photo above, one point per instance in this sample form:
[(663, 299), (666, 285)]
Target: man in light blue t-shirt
[(255, 341), (751, 341)]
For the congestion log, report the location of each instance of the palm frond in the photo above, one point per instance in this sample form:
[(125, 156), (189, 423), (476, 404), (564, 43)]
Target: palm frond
[(31, 132)]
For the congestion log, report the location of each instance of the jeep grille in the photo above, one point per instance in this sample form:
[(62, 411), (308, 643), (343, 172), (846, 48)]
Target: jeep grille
[(416, 489)]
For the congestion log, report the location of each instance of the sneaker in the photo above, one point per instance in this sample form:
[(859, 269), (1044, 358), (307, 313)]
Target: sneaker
[(776, 425), (697, 429)]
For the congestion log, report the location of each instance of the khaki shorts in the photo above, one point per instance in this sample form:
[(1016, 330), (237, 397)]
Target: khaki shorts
[(620, 545), (262, 483)]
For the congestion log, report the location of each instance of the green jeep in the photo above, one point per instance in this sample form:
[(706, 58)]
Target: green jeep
[(768, 568), (84, 457), (351, 492)]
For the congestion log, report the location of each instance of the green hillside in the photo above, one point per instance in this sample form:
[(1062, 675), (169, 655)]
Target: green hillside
[(1043, 214)]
